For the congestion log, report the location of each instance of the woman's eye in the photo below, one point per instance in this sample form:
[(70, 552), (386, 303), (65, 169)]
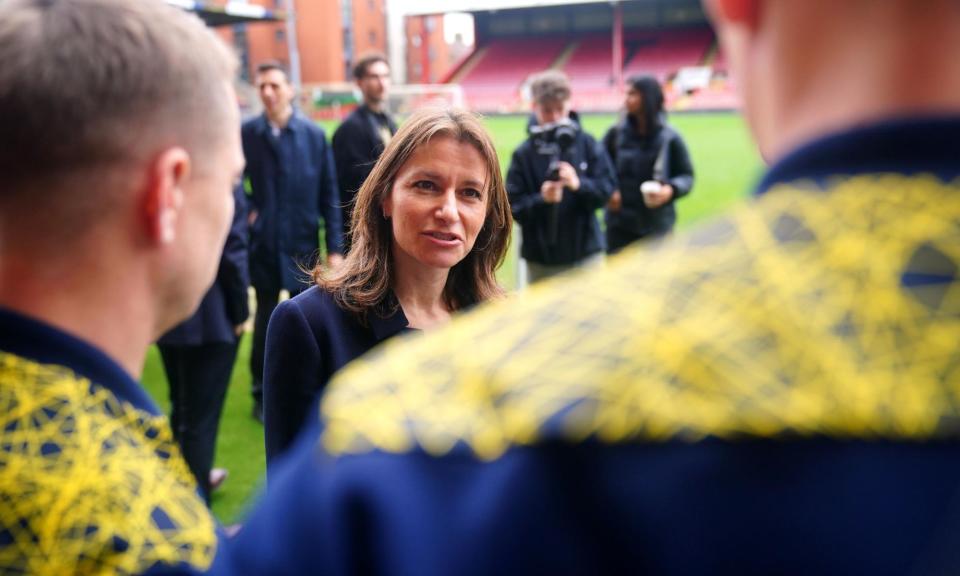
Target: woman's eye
[(424, 185), (472, 193)]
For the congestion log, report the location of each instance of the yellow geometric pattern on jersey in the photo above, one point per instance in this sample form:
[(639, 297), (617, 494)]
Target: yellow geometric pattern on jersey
[(787, 317), (88, 483)]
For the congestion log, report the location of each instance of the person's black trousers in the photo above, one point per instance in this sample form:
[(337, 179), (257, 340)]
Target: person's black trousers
[(198, 378), (618, 239), (267, 298)]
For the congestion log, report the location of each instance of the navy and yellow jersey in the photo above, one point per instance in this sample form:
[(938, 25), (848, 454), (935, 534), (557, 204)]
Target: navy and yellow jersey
[(776, 392), (91, 480)]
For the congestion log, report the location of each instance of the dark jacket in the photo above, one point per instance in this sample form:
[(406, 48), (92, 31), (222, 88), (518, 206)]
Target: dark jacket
[(634, 156), (579, 231), (293, 184), (226, 304), (356, 147), (90, 474), (772, 393), (309, 339)]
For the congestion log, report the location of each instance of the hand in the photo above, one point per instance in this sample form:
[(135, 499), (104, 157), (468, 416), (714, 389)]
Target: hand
[(569, 177), (615, 202), (252, 217), (238, 330), (658, 199), (551, 191), (334, 260)]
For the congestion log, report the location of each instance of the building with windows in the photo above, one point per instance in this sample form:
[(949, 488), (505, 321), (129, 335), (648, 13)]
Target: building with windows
[(329, 35), (428, 58)]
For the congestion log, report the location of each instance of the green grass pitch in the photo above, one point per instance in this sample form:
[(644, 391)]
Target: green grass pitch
[(726, 165)]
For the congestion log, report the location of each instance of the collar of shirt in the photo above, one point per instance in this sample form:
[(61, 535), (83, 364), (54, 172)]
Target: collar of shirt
[(384, 327), (42, 343), (379, 115), (294, 124), (921, 145)]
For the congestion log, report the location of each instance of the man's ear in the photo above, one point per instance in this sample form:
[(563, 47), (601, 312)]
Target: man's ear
[(164, 195), (735, 12)]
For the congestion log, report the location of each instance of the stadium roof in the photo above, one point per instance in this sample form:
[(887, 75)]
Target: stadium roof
[(444, 6), (224, 14)]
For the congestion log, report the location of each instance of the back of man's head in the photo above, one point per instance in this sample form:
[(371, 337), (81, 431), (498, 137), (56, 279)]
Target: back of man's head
[(807, 68), (88, 86)]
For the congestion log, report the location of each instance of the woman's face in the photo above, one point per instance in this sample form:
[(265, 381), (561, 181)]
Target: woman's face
[(438, 203), (634, 102)]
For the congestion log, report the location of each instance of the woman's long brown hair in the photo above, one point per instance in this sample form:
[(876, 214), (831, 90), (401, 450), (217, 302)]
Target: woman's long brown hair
[(363, 281)]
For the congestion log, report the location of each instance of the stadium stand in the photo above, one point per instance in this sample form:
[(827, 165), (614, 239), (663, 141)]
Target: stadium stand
[(493, 77), (662, 53), (494, 82), (655, 37), (590, 69)]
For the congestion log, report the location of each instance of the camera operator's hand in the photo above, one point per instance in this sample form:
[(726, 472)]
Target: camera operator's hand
[(552, 191), (658, 199), (615, 202), (569, 177)]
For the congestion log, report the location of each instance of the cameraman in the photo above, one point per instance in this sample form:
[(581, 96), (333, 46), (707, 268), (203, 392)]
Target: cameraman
[(558, 179)]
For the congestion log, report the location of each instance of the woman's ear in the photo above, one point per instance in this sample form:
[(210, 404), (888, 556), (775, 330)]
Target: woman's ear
[(386, 206)]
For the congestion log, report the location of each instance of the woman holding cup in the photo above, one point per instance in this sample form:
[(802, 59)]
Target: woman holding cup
[(653, 168)]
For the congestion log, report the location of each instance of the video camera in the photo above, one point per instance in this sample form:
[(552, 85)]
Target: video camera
[(554, 140)]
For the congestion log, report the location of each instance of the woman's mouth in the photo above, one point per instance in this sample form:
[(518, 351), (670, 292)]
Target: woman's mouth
[(444, 238)]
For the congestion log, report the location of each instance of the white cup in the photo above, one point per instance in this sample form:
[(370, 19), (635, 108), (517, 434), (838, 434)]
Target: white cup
[(649, 188)]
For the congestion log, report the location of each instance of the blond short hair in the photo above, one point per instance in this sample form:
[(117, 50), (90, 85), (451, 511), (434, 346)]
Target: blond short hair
[(550, 86), (88, 84)]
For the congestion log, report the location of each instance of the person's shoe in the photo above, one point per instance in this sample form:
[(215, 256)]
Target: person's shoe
[(258, 411), (217, 477)]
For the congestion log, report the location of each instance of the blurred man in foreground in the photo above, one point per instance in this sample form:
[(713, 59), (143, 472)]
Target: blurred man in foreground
[(773, 393), (120, 152)]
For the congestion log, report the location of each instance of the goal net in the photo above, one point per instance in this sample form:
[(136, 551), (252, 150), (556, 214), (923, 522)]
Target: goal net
[(334, 101), (406, 98)]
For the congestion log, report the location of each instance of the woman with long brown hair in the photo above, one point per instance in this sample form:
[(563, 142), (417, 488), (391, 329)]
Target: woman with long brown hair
[(430, 226)]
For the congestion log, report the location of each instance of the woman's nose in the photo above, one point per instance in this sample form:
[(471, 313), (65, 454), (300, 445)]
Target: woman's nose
[(447, 210)]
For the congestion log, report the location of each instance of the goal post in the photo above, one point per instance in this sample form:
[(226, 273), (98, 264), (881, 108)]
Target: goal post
[(406, 98)]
